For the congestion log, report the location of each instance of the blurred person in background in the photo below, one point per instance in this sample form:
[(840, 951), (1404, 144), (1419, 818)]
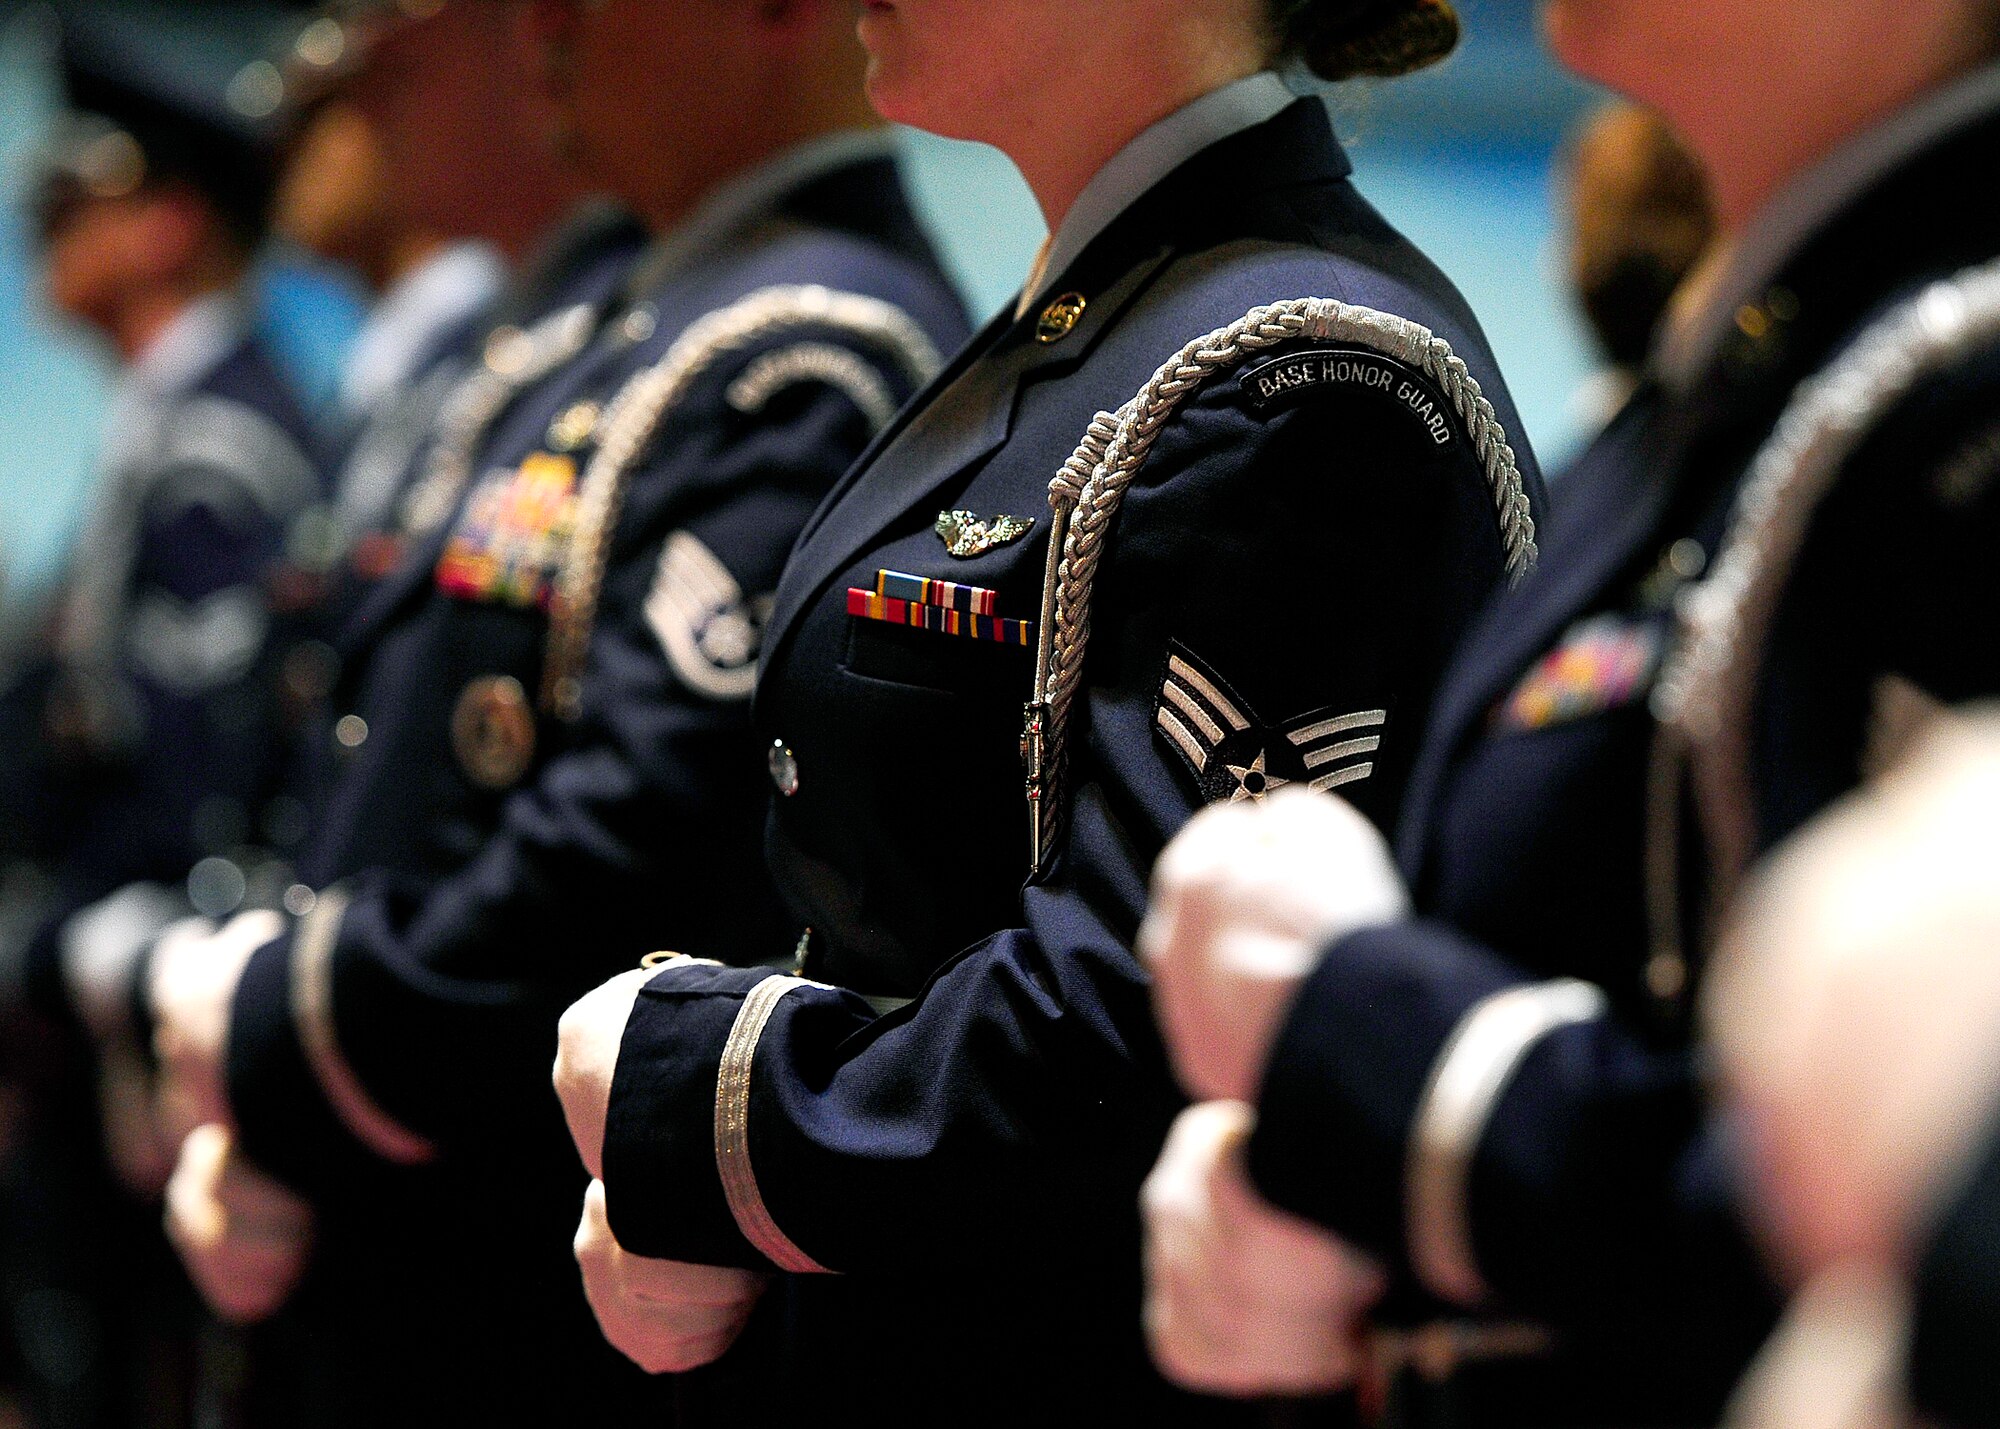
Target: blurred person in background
[(542, 767), (1639, 223), (1855, 1006), (402, 117), (1475, 1063), (155, 719), (905, 1171)]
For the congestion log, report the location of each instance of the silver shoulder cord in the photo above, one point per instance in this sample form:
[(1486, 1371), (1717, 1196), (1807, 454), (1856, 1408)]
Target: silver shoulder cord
[(514, 359), (1085, 494), (1706, 691), (645, 402)]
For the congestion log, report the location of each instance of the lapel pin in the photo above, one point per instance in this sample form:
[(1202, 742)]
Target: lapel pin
[(1059, 318)]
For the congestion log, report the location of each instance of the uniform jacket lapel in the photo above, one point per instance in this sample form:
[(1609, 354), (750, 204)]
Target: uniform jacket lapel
[(1617, 509), (965, 418), (968, 414)]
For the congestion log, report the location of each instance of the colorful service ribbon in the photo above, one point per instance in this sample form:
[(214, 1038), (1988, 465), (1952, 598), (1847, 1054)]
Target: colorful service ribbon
[(923, 590), (973, 625)]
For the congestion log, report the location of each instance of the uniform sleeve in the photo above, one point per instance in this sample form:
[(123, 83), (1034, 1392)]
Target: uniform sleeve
[(194, 701), (402, 1019), (1512, 1146), (1008, 1115), (1955, 1340)]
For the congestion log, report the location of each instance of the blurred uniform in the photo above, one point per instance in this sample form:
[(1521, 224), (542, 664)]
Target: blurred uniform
[(1501, 1095), (542, 769), (954, 1100), (156, 714), (1954, 1372)]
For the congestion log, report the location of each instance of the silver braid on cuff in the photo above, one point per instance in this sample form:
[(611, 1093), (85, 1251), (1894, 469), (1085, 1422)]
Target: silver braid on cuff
[(313, 945), (1472, 1071), (732, 1128)]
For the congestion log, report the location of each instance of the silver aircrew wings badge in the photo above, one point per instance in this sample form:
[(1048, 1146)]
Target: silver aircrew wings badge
[(1233, 755), (966, 535)]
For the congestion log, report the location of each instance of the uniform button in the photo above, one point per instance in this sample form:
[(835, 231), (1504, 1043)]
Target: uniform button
[(641, 323), (215, 887), (1666, 976), (784, 769), (351, 732)]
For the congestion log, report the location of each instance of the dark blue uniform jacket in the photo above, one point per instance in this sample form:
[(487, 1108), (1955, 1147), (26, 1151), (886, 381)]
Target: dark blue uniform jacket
[(1601, 1198), (469, 901), (496, 840), (1282, 572)]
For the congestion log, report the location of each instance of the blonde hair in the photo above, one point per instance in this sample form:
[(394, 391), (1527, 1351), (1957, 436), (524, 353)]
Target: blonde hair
[(1341, 39)]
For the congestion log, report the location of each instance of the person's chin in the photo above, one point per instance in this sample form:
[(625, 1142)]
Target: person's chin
[(891, 94)]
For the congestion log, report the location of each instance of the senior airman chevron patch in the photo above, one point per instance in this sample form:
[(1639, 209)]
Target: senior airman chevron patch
[(1233, 755)]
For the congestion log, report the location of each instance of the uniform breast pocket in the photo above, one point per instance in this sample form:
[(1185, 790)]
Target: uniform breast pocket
[(904, 655), (932, 633)]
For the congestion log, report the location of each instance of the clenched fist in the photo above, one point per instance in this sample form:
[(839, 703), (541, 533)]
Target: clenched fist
[(244, 1238), (193, 982), (1855, 1003), (664, 1316), (1241, 1298), (1244, 902), (587, 1044)]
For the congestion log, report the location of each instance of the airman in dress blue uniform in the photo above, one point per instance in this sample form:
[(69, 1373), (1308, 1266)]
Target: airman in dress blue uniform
[(1779, 544), (545, 762), (1270, 530), (157, 715)]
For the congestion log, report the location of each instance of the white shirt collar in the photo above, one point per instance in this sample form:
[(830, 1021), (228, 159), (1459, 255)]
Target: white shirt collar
[(438, 294), (1156, 152), (188, 348), (184, 352), (1690, 340)]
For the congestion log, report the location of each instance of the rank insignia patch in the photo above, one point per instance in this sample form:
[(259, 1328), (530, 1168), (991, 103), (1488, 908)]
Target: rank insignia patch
[(1233, 755), (966, 535), (1603, 663), (510, 541), (710, 632)]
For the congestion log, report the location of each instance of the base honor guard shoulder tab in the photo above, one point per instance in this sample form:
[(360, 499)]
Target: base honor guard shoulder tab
[(1286, 381)]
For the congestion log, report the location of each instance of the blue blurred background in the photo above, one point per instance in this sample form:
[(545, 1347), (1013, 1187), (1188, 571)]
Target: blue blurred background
[(1462, 158)]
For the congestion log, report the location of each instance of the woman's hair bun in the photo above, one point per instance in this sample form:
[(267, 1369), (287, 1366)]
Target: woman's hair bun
[(1340, 39)]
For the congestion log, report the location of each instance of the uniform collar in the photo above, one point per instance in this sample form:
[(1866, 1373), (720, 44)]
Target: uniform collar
[(1698, 328), (968, 410), (191, 346), (434, 297), (750, 197), (1138, 167), (176, 362)]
